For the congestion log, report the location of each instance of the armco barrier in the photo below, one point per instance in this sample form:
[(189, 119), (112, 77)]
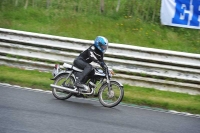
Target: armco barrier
[(146, 67)]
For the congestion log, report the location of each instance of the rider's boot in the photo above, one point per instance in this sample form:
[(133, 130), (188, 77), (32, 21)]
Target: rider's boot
[(83, 87), (81, 80)]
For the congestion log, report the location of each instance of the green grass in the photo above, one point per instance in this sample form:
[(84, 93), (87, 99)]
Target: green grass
[(132, 25), (29, 78), (133, 95), (162, 99)]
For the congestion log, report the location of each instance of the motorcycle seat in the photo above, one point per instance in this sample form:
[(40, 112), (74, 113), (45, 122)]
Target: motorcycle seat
[(66, 65)]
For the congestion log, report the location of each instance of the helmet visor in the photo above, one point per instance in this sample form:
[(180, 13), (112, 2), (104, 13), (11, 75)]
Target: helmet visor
[(104, 47)]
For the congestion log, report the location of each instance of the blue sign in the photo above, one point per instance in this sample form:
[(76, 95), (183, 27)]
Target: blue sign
[(187, 12), (181, 13)]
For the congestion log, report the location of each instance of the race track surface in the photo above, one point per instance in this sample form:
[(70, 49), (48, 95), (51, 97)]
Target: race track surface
[(28, 111)]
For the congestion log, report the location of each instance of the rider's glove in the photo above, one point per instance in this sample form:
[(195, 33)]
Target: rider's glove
[(103, 65)]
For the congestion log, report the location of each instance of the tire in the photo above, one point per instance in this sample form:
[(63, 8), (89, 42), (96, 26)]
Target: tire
[(61, 81), (115, 97)]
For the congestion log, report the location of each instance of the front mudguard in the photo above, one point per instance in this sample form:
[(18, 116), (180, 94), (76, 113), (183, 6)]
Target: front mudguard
[(117, 82), (120, 84)]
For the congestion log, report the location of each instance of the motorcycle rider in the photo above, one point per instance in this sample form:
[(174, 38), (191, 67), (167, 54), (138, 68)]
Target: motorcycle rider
[(94, 53)]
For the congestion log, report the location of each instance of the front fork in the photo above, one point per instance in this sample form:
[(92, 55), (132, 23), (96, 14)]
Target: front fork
[(108, 82)]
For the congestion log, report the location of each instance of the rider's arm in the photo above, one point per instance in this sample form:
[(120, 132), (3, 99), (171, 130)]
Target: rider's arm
[(92, 56), (95, 59), (102, 63)]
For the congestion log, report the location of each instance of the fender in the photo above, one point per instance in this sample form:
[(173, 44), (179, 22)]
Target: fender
[(120, 84), (62, 73), (117, 82)]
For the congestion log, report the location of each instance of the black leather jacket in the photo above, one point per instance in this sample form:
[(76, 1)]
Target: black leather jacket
[(92, 54)]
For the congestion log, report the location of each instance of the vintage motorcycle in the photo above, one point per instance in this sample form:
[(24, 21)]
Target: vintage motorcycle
[(99, 83)]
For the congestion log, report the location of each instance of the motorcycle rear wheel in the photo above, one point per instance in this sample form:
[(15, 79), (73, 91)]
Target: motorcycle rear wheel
[(112, 98), (61, 81)]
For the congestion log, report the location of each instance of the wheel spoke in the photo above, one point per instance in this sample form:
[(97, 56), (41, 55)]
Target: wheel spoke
[(61, 81), (113, 97)]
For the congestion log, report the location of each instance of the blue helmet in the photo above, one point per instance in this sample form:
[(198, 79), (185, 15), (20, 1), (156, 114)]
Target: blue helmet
[(101, 43)]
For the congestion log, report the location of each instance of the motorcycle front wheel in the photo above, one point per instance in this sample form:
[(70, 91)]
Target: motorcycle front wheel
[(62, 81), (113, 97)]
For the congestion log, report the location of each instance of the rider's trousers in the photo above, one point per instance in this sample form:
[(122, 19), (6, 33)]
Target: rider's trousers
[(86, 67)]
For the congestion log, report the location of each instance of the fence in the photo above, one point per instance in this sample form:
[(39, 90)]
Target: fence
[(146, 67)]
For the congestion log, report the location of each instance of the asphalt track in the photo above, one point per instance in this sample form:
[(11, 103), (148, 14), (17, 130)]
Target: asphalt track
[(27, 111)]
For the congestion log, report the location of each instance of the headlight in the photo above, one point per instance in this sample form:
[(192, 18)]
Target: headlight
[(111, 72)]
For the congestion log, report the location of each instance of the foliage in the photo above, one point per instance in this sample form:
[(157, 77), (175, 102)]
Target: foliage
[(135, 23)]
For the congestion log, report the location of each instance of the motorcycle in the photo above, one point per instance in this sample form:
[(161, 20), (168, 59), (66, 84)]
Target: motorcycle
[(99, 84)]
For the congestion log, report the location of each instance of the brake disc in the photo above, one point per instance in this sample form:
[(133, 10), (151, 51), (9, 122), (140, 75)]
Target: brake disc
[(111, 94)]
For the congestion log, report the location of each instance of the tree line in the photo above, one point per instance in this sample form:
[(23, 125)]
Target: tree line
[(146, 9)]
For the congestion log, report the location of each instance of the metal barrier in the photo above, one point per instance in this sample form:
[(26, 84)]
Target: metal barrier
[(146, 67)]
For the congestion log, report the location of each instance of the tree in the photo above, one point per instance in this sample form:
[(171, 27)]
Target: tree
[(118, 5), (154, 12), (102, 6), (16, 2), (26, 4), (48, 3)]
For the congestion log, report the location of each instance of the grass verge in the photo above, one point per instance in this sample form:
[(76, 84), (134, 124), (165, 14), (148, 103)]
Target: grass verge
[(133, 95)]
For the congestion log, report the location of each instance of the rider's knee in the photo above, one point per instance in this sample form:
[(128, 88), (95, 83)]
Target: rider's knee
[(89, 66)]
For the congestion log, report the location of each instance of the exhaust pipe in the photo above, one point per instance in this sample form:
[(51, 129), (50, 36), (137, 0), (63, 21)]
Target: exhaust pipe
[(63, 88)]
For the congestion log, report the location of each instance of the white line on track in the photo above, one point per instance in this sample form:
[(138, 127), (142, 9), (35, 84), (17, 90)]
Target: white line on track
[(122, 104)]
